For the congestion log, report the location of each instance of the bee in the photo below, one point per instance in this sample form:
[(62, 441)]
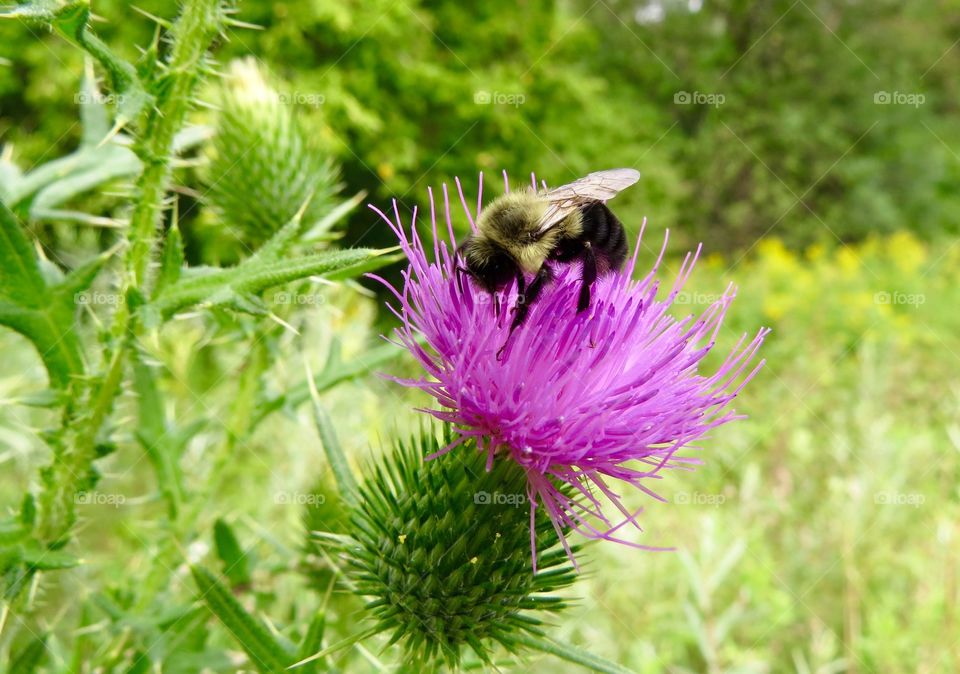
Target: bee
[(527, 232)]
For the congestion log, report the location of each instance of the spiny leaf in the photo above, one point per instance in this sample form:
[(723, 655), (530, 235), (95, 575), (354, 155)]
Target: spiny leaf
[(265, 652), (71, 22), (42, 313), (570, 653), (172, 259), (346, 482), (228, 287)]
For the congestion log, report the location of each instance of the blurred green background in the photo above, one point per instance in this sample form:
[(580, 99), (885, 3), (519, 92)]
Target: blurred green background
[(814, 147)]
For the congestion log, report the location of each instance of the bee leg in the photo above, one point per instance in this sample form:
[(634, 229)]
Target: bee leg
[(521, 288), (589, 276), (526, 300), (523, 307)]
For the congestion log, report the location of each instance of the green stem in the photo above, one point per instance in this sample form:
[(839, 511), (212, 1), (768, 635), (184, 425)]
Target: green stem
[(71, 467), (193, 32)]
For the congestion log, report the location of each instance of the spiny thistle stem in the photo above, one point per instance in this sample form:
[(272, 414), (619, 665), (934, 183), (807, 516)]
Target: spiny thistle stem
[(193, 32)]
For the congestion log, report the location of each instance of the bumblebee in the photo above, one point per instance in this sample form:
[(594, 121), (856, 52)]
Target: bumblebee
[(527, 232)]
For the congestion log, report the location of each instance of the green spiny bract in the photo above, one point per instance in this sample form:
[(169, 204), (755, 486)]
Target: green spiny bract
[(264, 170), (443, 549)]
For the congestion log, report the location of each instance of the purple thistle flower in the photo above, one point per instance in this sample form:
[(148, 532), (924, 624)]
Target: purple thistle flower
[(579, 400)]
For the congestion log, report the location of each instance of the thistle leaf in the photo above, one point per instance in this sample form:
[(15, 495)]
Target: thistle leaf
[(571, 653), (266, 653), (162, 443), (233, 286), (235, 560), (40, 311)]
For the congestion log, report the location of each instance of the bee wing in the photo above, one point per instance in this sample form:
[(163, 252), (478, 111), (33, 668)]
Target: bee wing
[(597, 186)]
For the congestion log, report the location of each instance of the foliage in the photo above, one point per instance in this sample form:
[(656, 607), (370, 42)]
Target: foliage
[(404, 94)]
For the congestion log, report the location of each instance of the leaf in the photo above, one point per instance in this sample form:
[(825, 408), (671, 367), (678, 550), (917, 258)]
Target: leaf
[(38, 557), (233, 286), (172, 259), (265, 652), (312, 641), (346, 482), (71, 22), (162, 443), (235, 566), (30, 656), (42, 313), (569, 653)]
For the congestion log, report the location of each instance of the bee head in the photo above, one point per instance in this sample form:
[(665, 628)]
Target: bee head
[(487, 263)]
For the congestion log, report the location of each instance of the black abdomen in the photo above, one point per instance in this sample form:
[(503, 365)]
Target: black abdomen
[(606, 236)]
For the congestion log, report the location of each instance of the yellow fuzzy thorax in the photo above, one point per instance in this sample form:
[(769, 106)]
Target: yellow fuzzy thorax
[(512, 222)]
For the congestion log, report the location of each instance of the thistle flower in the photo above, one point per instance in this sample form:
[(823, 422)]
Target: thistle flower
[(581, 401)]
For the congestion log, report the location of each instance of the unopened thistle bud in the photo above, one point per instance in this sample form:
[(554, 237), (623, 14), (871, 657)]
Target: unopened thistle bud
[(442, 548), (263, 169)]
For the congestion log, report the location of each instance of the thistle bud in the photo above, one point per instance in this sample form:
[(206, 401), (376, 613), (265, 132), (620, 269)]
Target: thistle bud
[(442, 548), (263, 169)]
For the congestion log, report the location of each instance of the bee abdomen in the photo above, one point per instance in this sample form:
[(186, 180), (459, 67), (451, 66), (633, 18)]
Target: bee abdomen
[(605, 233)]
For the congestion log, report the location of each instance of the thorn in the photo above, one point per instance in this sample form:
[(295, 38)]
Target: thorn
[(117, 127), (163, 22), (236, 23), (283, 323)]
